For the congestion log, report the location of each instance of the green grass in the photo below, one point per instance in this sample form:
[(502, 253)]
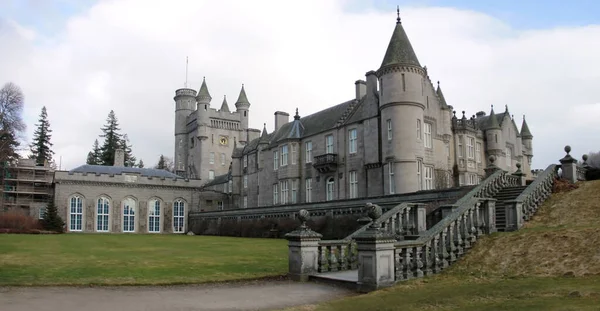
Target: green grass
[(84, 259)]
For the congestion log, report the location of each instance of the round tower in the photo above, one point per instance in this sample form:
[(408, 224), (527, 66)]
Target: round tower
[(493, 134), (401, 108), (202, 110), (184, 106)]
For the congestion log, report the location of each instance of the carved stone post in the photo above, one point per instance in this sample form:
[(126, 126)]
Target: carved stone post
[(521, 175), (303, 246), (421, 214), (376, 265), (488, 209), (569, 166), (492, 168), (514, 215)]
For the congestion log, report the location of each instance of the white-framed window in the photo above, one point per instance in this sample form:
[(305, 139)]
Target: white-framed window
[(428, 178), (220, 205), (308, 190), (211, 158), (391, 178), (473, 179), (275, 160), (245, 181), (329, 144), (294, 153), (330, 188), (460, 146), (154, 216), (76, 213), (245, 161), (284, 192), (275, 195), (211, 175), (294, 191), (389, 129), (352, 141), (509, 158), (461, 180), (245, 201), (428, 138), (470, 147), (308, 147), (418, 128), (478, 152), (178, 216), (420, 174), (222, 159), (284, 155), (353, 178), (42, 212), (102, 214), (129, 215)]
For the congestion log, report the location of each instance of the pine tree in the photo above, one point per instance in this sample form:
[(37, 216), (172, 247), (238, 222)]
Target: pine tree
[(112, 140), (51, 220), (41, 145), (93, 157), (91, 160), (141, 164), (129, 158), (161, 163)]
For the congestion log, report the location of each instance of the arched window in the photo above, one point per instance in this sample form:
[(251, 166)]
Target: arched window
[(178, 216), (154, 216), (75, 213), (129, 215), (330, 188), (102, 214)]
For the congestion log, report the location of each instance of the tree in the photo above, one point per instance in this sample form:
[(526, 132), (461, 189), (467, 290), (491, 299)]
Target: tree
[(41, 146), (161, 163), (112, 140), (140, 164), (51, 221), (165, 163), (93, 157), (594, 160), (129, 158), (11, 121)]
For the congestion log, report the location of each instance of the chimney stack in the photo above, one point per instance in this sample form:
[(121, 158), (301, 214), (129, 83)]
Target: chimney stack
[(281, 118), (119, 158), (361, 89)]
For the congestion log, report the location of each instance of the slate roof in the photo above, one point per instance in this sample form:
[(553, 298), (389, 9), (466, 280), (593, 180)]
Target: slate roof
[(400, 50), (242, 99), (101, 169), (441, 95), (224, 105), (525, 132), (221, 179), (493, 121), (203, 92)]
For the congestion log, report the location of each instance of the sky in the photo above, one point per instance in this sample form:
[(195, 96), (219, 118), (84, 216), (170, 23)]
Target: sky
[(83, 58)]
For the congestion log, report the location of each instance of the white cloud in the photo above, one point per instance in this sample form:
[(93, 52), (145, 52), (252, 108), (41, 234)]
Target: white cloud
[(129, 55)]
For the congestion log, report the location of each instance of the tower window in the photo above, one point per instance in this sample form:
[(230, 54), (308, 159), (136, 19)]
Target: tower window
[(205, 107), (403, 83), (245, 113)]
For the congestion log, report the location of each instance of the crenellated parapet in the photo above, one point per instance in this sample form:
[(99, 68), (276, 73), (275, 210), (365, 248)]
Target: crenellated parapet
[(124, 179)]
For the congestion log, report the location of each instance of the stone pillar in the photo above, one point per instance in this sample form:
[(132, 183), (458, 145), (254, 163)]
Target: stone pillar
[(569, 166), (514, 215), (376, 265), (521, 175), (492, 168), (488, 210), (421, 214), (303, 246)]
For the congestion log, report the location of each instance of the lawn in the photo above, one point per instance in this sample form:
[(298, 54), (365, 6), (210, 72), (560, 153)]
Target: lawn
[(94, 259)]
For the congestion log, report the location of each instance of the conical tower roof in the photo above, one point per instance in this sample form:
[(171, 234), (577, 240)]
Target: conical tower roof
[(440, 95), (493, 123), (264, 136), (399, 49), (203, 92), (525, 132), (224, 106), (242, 99)]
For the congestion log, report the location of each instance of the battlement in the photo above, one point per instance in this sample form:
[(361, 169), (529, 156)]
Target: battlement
[(126, 178), (185, 92)]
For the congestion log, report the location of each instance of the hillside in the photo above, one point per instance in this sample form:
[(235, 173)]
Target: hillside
[(553, 263)]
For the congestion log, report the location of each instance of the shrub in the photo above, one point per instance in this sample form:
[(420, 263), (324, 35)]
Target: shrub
[(51, 221), (19, 222)]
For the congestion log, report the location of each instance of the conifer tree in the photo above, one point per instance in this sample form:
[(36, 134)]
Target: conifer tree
[(112, 140), (51, 221), (93, 157), (141, 164), (41, 146), (126, 146), (161, 163)]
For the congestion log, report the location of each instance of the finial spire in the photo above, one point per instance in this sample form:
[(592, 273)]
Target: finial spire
[(398, 14), (297, 117)]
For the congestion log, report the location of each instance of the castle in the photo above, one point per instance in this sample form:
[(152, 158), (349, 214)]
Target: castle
[(397, 135)]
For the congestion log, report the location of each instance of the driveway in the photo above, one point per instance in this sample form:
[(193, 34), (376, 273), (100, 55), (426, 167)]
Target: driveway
[(257, 295)]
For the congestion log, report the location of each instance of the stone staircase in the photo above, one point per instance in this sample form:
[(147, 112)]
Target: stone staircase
[(506, 194)]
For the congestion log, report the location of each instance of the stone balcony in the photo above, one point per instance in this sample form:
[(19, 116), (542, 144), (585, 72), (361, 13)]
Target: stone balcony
[(326, 163)]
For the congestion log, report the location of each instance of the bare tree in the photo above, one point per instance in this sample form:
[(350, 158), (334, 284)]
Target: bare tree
[(594, 160), (11, 121), (169, 164)]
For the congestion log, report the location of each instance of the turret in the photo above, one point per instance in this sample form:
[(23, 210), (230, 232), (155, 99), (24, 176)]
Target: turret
[(527, 140), (224, 105), (202, 110), (243, 107), (401, 106), (495, 139), (184, 106)]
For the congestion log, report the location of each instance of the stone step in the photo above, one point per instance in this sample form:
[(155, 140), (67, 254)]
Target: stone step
[(347, 278)]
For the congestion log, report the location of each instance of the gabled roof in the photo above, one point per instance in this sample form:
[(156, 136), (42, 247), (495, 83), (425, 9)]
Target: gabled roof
[(218, 180), (440, 95), (399, 49), (101, 169)]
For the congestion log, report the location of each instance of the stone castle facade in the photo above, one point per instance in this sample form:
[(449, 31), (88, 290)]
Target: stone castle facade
[(397, 135)]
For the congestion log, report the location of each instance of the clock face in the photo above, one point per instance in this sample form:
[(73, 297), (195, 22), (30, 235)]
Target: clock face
[(223, 140)]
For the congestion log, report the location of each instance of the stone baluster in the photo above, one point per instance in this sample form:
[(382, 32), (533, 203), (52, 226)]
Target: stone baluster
[(465, 230), (436, 251), (418, 262), (458, 241), (427, 260), (408, 263), (451, 244), (444, 254), (342, 259), (332, 260), (303, 246), (399, 262)]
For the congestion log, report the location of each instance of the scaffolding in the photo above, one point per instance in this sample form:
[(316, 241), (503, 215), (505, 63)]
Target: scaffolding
[(26, 184)]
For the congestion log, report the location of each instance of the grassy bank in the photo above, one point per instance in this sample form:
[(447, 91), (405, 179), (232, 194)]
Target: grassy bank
[(82, 259)]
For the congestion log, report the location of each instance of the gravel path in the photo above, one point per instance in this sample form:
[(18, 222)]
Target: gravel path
[(259, 295)]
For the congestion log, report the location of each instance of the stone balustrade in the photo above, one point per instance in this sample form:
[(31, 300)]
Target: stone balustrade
[(403, 220), (337, 255)]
